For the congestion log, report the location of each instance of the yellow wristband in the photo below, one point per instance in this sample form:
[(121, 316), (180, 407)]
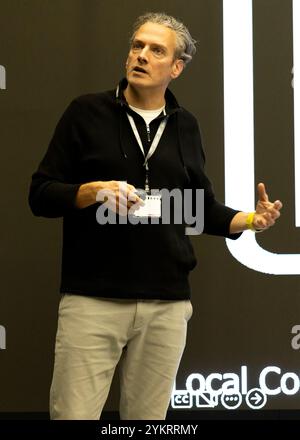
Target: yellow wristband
[(249, 221)]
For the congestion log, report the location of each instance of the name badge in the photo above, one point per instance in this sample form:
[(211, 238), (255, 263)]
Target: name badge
[(151, 207)]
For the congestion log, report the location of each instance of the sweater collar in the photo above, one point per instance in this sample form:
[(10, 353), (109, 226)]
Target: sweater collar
[(172, 105)]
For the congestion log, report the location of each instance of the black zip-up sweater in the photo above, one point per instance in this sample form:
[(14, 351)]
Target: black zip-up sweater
[(94, 141)]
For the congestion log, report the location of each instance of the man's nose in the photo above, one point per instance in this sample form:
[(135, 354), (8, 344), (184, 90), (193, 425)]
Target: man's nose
[(142, 58)]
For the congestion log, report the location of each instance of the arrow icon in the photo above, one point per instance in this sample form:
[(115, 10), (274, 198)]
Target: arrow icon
[(257, 398)]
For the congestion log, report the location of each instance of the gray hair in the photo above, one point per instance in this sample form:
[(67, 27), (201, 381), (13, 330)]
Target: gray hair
[(185, 47)]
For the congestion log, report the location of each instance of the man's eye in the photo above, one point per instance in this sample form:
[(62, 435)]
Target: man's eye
[(136, 46), (158, 50)]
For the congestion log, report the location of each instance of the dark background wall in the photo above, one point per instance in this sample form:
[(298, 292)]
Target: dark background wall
[(54, 50)]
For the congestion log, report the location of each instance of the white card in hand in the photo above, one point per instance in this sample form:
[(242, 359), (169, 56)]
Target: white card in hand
[(151, 207)]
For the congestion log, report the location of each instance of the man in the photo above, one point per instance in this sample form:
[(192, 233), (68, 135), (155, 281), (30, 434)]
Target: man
[(126, 296)]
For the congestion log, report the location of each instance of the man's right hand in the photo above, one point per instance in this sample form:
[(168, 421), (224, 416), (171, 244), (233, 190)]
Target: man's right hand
[(119, 196)]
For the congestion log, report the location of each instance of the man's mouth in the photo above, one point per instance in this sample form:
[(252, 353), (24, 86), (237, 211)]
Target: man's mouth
[(139, 69)]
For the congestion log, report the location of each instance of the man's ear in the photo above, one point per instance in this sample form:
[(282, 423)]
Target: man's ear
[(177, 68)]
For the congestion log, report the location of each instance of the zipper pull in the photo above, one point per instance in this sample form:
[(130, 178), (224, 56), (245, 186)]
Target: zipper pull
[(148, 133)]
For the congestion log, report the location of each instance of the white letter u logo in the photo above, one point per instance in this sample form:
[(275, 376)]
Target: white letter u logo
[(239, 132)]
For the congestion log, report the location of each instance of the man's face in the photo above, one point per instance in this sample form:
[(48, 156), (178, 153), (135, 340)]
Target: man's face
[(150, 62)]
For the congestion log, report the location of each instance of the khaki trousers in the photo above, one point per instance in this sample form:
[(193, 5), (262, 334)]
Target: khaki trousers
[(147, 339)]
